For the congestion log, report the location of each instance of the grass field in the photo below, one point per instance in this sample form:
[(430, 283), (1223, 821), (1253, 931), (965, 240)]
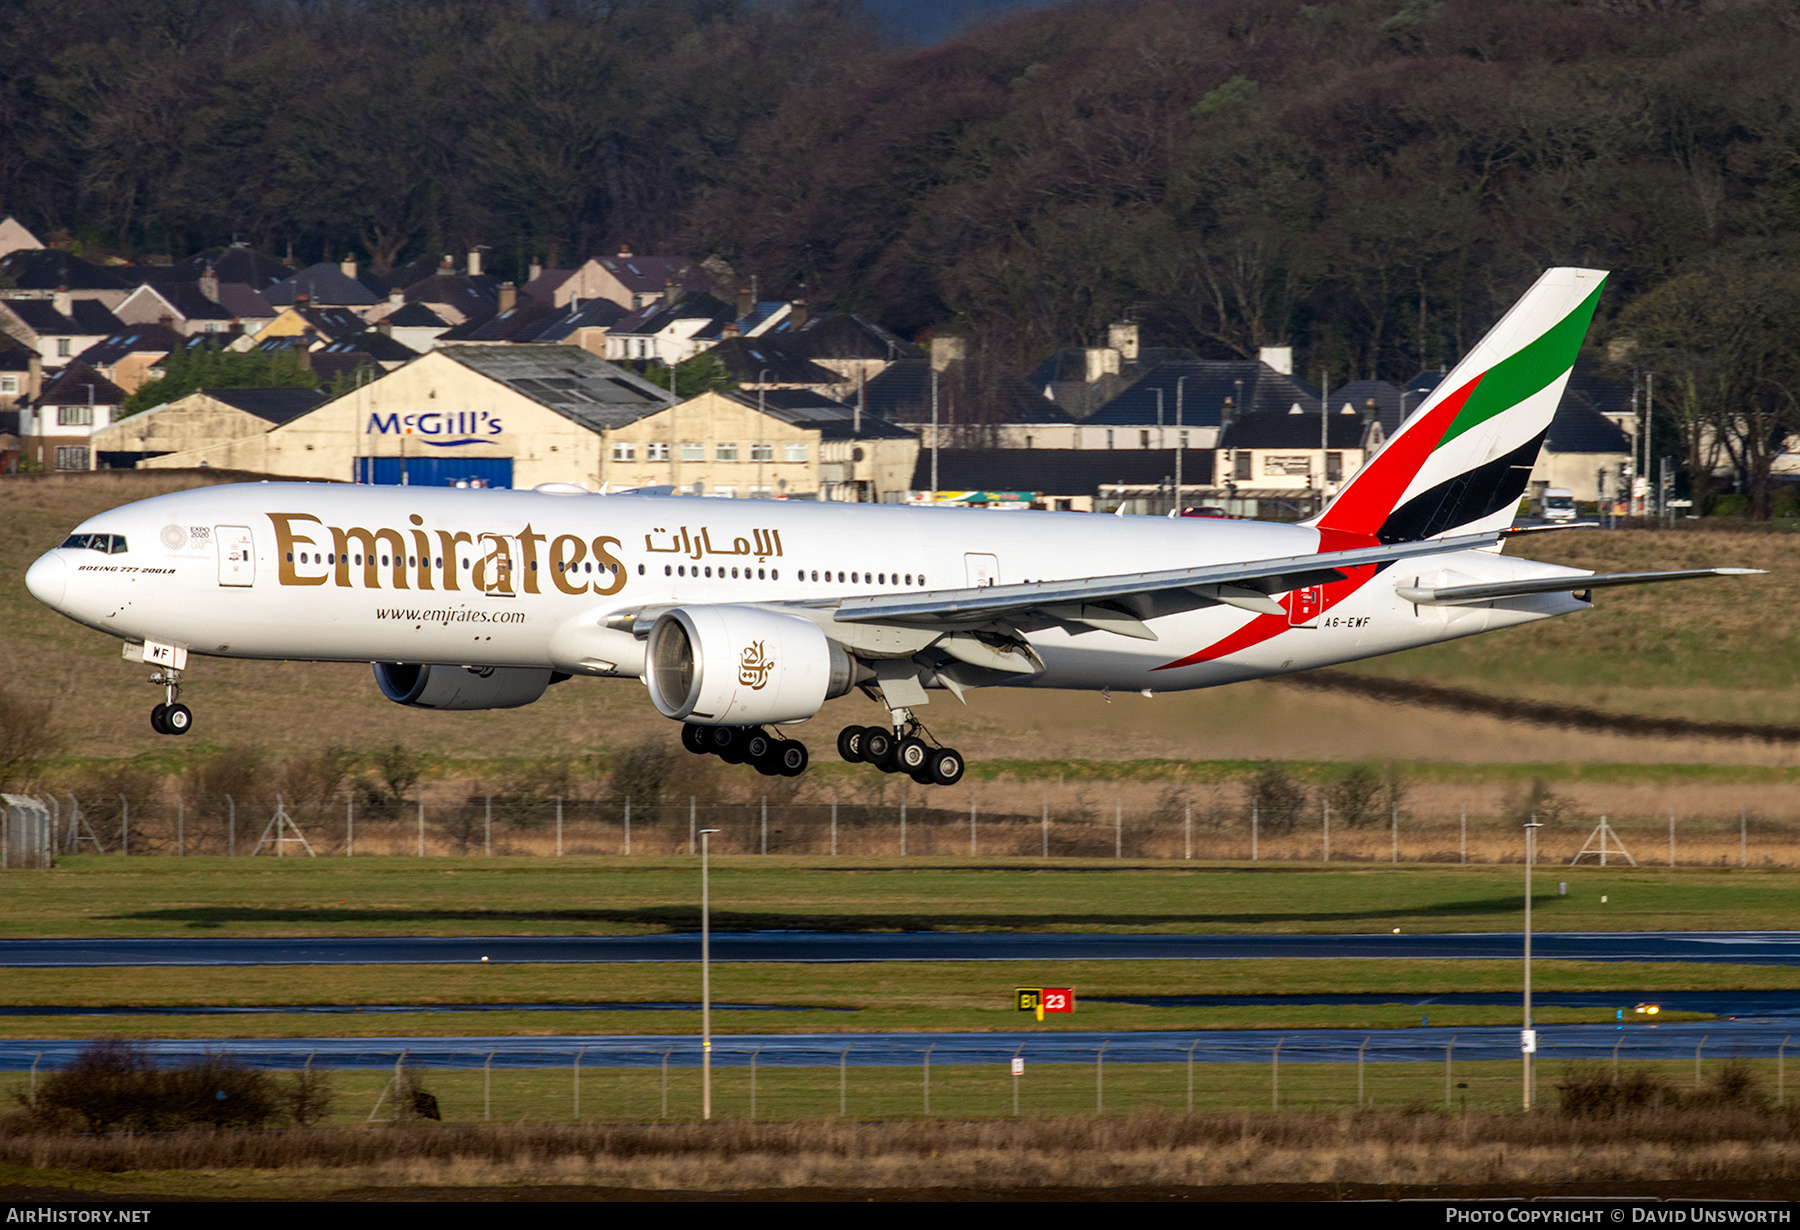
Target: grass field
[(92, 895)]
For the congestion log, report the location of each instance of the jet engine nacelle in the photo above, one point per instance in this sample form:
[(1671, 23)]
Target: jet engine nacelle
[(741, 666), (460, 687)]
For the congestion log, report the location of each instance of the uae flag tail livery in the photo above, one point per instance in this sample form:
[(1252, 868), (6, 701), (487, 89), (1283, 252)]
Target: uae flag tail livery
[(1459, 465)]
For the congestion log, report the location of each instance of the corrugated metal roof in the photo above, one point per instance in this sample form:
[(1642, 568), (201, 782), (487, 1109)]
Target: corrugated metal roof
[(568, 380)]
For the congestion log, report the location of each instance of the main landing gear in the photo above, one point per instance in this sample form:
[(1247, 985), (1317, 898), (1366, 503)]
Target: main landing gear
[(902, 750), (768, 754), (170, 717)]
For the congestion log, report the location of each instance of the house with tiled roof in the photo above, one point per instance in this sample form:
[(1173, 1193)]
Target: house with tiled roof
[(324, 285), (457, 298), (633, 281), (236, 265), (21, 374), (58, 328), (128, 357), (669, 330), (856, 348), (51, 273), (15, 237), (183, 306), (56, 429)]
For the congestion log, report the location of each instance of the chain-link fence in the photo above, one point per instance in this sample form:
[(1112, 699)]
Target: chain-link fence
[(574, 1080), (499, 825)]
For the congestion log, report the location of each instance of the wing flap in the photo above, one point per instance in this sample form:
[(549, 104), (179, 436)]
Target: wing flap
[(1568, 583)]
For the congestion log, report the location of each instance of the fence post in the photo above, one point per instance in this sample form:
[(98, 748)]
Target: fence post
[(693, 819), (559, 826), (230, 826), (1465, 833), (1046, 826), (1118, 828), (1275, 1075), (1187, 830), (487, 830), (1327, 831), (578, 1055), (421, 826), (1743, 839), (180, 828), (1099, 1078), (1671, 836), (1449, 1051), (124, 825), (928, 1051), (834, 822), (1253, 827), (1396, 805), (903, 825), (627, 824), (765, 824), (349, 825), (1359, 1071), (487, 1087)]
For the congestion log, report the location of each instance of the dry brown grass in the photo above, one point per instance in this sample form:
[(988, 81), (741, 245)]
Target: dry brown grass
[(1177, 1150)]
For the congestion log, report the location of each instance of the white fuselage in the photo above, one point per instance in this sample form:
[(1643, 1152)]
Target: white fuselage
[(527, 579)]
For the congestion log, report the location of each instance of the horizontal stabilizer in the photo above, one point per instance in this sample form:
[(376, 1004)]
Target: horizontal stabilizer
[(1569, 583)]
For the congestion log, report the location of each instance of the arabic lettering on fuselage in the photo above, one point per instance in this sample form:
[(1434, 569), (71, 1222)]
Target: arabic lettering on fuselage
[(766, 543), (310, 552)]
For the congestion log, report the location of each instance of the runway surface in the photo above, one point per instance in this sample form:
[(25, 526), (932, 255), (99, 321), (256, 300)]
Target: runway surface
[(1730, 947), (1714, 1041)]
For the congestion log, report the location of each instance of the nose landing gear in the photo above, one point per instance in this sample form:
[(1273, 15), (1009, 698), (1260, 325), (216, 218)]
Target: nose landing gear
[(904, 749), (170, 717)]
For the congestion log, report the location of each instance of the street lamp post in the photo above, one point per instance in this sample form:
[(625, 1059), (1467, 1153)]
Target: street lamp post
[(761, 388), (705, 982), (1528, 1036), (1179, 443)]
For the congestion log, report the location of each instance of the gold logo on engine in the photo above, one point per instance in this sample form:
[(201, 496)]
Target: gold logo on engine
[(754, 667)]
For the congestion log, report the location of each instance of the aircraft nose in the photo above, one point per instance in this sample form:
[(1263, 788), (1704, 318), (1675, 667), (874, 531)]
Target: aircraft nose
[(48, 578)]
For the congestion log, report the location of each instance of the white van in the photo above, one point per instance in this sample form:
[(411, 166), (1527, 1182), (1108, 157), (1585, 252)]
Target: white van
[(1557, 504)]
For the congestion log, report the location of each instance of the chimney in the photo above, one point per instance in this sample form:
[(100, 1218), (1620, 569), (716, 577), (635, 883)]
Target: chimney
[(1102, 361), (671, 293), (1281, 358), (385, 328), (62, 301), (347, 267), (397, 298), (537, 271), (474, 262), (731, 330), (947, 350), (509, 295), (1371, 411), (797, 314), (1227, 413), (34, 376), (209, 284), (446, 266), (166, 321), (1123, 337), (624, 251), (746, 302), (302, 300)]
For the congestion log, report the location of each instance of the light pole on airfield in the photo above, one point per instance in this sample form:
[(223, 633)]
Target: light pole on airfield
[(1528, 1036), (705, 983)]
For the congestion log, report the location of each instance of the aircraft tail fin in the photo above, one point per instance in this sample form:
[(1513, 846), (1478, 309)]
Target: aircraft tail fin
[(1460, 463)]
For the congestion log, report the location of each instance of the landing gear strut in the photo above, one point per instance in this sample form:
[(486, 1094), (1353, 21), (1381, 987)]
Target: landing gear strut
[(770, 755), (170, 717), (903, 749)]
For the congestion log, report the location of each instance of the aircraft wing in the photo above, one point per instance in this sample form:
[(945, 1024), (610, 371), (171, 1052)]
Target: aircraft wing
[(1568, 583), (1122, 603)]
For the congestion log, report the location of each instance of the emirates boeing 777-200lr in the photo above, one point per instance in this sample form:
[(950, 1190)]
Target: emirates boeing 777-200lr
[(742, 616)]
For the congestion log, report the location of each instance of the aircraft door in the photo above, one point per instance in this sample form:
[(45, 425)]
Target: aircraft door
[(237, 555), (984, 570), (1303, 606)]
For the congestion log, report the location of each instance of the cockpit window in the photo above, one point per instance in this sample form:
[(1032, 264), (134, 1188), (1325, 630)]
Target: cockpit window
[(106, 544)]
